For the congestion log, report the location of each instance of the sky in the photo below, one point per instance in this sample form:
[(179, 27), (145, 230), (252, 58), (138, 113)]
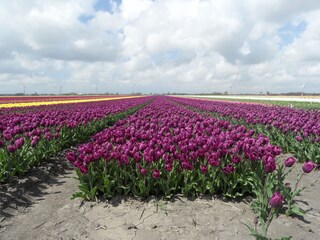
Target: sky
[(159, 46)]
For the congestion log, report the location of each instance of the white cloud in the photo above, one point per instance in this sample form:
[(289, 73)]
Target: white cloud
[(158, 46), (305, 48), (245, 49)]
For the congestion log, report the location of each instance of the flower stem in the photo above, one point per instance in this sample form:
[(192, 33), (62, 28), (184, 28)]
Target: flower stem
[(298, 181), (268, 222)]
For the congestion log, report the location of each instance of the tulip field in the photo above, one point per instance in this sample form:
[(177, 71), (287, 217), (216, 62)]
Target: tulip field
[(297, 131), (163, 145), (29, 135), (188, 146), (12, 102), (165, 148), (25, 99), (303, 102), (159, 145)]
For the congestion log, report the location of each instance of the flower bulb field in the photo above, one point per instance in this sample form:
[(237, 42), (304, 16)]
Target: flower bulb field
[(11, 102), (157, 167)]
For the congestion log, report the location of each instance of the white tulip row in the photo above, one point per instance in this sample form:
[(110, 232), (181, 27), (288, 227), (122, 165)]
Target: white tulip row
[(311, 99)]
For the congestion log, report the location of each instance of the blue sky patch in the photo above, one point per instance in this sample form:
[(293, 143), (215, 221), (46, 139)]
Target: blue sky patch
[(105, 5), (289, 32), (173, 54), (85, 18), (169, 56)]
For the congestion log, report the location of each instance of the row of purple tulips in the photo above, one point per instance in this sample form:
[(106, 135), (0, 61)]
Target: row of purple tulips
[(165, 148), (297, 131), (28, 137)]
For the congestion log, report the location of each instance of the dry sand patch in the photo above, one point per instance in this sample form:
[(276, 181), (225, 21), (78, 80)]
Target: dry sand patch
[(38, 206)]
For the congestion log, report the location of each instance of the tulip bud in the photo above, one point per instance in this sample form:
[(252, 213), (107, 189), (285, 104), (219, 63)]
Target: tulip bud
[(289, 162), (8, 136), (168, 167), (277, 200), (19, 143), (156, 174), (270, 166), (309, 166), (204, 169), (236, 159), (34, 141), (84, 169), (12, 148), (71, 156), (144, 171)]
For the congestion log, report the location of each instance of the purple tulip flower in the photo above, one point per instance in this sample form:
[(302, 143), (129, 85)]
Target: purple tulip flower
[(289, 162), (156, 174), (277, 200), (309, 166)]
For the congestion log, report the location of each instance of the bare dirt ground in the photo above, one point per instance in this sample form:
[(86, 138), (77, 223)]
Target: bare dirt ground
[(38, 206)]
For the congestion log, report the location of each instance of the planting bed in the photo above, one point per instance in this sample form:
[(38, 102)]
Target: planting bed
[(164, 149), (296, 130), (35, 133)]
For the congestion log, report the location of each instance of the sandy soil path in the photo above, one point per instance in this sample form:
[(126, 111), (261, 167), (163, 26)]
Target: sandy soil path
[(38, 206)]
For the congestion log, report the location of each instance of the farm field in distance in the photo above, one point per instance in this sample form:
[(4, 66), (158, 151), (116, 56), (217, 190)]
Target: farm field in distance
[(39, 98), (307, 102), (25, 101)]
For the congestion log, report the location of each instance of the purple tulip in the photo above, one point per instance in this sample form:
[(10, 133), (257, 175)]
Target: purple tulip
[(48, 136), (12, 148), (19, 143), (204, 169), (309, 166), (156, 174), (34, 141), (214, 162), (8, 136), (137, 156), (236, 159), (277, 200), (71, 156), (144, 171), (56, 135), (185, 165), (289, 162), (228, 169), (270, 166), (84, 169), (168, 167), (77, 163)]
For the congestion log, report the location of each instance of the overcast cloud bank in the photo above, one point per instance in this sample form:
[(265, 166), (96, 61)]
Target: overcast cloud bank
[(159, 46)]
